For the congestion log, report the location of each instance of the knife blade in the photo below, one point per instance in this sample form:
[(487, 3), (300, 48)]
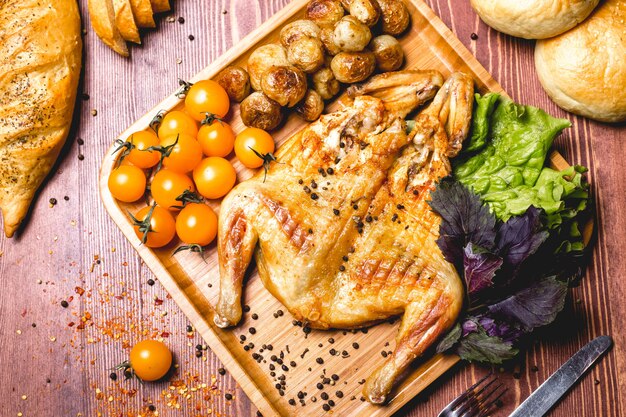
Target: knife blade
[(551, 391)]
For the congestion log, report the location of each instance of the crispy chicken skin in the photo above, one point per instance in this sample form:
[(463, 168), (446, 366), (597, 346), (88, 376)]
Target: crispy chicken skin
[(369, 207)]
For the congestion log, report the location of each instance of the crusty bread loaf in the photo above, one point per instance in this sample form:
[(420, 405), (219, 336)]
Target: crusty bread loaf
[(40, 61), (125, 21), (102, 15), (142, 10), (584, 69), (533, 19)]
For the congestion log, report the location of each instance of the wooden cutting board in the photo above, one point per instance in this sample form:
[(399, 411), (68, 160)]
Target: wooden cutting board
[(193, 282)]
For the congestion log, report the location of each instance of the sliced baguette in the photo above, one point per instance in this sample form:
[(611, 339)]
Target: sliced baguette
[(142, 9), (125, 21), (160, 6), (103, 22)]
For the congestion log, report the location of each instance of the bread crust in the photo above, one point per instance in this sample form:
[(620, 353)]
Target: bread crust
[(142, 9), (584, 69), (160, 6), (125, 21), (102, 15), (40, 61), (533, 19)]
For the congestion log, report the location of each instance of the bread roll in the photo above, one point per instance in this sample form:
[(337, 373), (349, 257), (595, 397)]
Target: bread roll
[(584, 70), (40, 60), (533, 19)]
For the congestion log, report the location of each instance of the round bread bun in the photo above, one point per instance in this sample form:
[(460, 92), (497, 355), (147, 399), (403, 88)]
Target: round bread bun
[(533, 19), (584, 70)]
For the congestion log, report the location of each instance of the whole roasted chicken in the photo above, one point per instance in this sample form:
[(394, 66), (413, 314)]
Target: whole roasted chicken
[(341, 229)]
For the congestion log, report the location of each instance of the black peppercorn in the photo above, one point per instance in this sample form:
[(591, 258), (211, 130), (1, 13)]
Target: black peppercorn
[(473, 36), (221, 371), (326, 407), (319, 385), (319, 360), (255, 316), (324, 396), (336, 212), (113, 376), (228, 396), (64, 304), (252, 330), (355, 345)]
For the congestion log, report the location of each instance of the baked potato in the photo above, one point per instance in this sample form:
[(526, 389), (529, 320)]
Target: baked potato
[(286, 85), (258, 110), (324, 12), (306, 53), (236, 81), (262, 59), (351, 35), (353, 67), (297, 30), (325, 83), (388, 52), (366, 11), (394, 16), (327, 36), (311, 107)]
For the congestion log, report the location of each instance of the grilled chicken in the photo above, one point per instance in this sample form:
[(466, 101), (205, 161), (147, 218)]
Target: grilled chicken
[(341, 230)]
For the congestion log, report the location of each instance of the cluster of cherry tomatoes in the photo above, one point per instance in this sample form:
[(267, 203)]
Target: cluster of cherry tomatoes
[(184, 153)]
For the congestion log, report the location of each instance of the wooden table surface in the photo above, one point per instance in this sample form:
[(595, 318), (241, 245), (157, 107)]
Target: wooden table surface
[(56, 361)]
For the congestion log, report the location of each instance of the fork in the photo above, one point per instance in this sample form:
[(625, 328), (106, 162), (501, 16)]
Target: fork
[(479, 400)]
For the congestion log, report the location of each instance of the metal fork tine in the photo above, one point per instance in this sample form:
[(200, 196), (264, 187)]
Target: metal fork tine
[(479, 400), (492, 405), (474, 395), (461, 398)]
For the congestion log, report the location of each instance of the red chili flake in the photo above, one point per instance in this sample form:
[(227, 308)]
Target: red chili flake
[(158, 302), (71, 324), (79, 290), (165, 334)]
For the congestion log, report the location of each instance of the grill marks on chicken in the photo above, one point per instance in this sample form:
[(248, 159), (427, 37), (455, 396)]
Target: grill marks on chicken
[(358, 245)]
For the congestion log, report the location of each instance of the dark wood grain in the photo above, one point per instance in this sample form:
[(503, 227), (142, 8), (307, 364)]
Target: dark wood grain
[(58, 245)]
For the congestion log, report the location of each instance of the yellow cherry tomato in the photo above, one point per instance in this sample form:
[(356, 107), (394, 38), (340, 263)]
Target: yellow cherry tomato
[(185, 153), (216, 138), (214, 177), (150, 360), (206, 97), (176, 122), (160, 226), (127, 183), (250, 140), (196, 224), (167, 185), (139, 156)]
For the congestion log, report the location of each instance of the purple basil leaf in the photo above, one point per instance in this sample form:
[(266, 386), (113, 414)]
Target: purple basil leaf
[(534, 306), (520, 237), (480, 267), (469, 326), (464, 219), (480, 347)]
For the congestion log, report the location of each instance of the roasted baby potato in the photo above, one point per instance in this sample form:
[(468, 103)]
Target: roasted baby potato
[(236, 81), (388, 52), (258, 110), (286, 85), (327, 36), (306, 53), (324, 12), (311, 107), (351, 35), (325, 83), (298, 30), (262, 59), (353, 67), (395, 16), (367, 11)]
